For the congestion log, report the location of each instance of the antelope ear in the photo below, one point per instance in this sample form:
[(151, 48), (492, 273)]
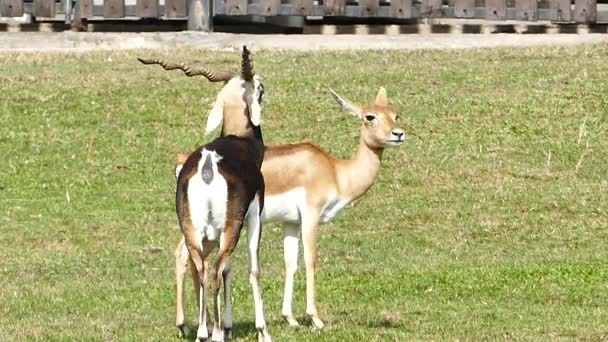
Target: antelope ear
[(347, 106), (215, 116), (381, 100)]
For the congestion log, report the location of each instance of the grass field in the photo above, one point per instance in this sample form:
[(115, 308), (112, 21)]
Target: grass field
[(490, 222)]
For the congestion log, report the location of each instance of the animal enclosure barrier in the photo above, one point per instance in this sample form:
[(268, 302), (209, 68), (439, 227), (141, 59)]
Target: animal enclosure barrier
[(199, 13)]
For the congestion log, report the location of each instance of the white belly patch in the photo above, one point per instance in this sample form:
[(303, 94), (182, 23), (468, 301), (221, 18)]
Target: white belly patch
[(284, 207), (208, 202), (287, 207)]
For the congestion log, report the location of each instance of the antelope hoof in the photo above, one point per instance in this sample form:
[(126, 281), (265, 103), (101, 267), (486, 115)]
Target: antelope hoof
[(291, 320), (227, 333), (202, 334), (263, 336), (317, 323), (182, 331), (217, 336)]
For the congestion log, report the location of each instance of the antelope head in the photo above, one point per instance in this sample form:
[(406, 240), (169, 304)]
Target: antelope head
[(378, 121), (239, 103)]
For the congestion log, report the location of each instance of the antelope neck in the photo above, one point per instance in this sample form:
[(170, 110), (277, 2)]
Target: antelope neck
[(356, 175)]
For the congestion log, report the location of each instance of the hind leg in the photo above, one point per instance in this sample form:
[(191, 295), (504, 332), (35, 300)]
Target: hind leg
[(227, 275), (228, 241), (201, 261), (181, 264)]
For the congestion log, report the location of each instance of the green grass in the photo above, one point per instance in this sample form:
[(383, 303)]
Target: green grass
[(481, 226)]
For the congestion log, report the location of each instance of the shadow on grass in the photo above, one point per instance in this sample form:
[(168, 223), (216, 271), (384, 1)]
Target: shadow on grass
[(244, 329), (239, 330), (387, 324)]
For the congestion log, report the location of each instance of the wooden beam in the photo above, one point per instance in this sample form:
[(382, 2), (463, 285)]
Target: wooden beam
[(464, 8), (401, 8), (560, 10), (175, 9), (302, 7), (147, 9), (11, 8), (236, 7), (585, 11), (268, 7), (44, 8), (334, 7), (369, 8), (67, 8), (199, 15), (526, 9), (86, 8), (496, 9), (113, 8), (430, 8)]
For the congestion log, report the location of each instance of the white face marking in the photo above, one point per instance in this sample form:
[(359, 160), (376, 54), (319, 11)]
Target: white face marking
[(254, 95), (208, 201), (397, 138)]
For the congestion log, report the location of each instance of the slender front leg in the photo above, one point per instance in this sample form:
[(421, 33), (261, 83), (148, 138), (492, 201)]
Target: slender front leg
[(309, 242), (227, 274), (254, 233), (181, 263), (290, 252)]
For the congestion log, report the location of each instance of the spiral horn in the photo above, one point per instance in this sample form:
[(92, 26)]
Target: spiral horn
[(189, 71), (247, 65)]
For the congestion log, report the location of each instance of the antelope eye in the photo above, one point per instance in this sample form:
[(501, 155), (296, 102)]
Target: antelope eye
[(370, 117)]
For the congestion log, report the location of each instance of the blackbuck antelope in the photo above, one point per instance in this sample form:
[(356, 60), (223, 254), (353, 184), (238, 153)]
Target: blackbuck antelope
[(220, 186), (231, 110), (306, 187)]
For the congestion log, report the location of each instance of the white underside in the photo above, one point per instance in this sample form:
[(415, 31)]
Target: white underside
[(332, 209), (288, 207), (284, 207), (208, 204)]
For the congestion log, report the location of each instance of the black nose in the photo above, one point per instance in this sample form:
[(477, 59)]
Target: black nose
[(398, 135)]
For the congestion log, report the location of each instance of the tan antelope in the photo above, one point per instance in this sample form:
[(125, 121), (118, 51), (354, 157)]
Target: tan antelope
[(219, 188), (306, 187)]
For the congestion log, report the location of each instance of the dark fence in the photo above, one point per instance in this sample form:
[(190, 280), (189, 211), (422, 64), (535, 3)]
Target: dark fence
[(200, 12)]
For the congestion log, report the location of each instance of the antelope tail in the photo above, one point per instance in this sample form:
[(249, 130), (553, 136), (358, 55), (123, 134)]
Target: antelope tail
[(207, 170)]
